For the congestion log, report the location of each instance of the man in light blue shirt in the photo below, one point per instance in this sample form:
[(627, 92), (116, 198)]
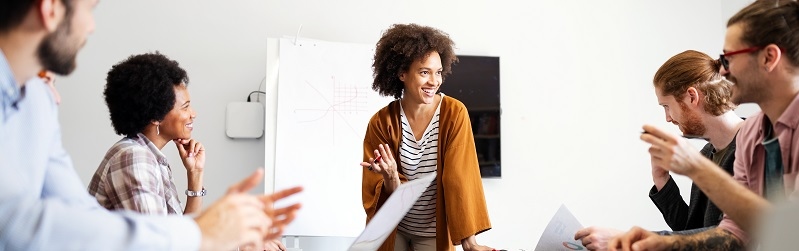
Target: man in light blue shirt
[(43, 203)]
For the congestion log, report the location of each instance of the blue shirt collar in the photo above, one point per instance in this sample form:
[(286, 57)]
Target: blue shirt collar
[(10, 91)]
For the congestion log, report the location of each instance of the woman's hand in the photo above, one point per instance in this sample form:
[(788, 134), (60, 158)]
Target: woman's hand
[(192, 153), (49, 79), (383, 164), (470, 244)]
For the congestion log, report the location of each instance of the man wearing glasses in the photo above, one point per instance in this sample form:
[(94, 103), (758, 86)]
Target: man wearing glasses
[(696, 98), (762, 59)]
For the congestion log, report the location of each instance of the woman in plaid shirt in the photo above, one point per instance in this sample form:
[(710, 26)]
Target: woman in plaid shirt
[(150, 105)]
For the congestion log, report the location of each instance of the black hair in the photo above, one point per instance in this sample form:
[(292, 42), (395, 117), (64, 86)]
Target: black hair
[(771, 22), (13, 12), (140, 90), (400, 46)]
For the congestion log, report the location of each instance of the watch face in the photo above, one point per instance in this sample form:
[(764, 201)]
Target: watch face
[(195, 193)]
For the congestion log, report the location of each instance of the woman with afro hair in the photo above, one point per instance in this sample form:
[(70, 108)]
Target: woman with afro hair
[(422, 132), (150, 106)]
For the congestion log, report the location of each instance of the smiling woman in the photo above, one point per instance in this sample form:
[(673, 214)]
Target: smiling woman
[(149, 104), (428, 132)]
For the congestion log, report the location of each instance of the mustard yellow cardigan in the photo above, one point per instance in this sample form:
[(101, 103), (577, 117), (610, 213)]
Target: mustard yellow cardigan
[(460, 205)]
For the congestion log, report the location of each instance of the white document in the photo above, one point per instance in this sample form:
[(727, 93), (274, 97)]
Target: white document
[(391, 213), (559, 234)]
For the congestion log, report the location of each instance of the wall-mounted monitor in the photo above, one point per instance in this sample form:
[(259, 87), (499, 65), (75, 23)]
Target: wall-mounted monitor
[(475, 82)]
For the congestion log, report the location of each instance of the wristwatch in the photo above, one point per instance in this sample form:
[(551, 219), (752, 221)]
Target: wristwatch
[(191, 193)]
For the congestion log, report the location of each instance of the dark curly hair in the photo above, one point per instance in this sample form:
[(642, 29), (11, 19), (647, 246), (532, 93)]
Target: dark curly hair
[(140, 90), (400, 46)]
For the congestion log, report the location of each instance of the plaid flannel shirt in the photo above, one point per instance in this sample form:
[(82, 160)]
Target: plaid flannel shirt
[(135, 175)]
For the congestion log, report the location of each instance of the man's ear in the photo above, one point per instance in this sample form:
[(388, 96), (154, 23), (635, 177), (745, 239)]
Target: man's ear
[(772, 53), (692, 95), (50, 13), (402, 76)]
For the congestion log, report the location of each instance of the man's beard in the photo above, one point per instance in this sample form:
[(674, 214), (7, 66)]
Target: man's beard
[(735, 90), (692, 123), (56, 53)]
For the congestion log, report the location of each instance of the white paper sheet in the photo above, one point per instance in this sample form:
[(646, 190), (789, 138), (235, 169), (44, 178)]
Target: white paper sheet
[(391, 213), (559, 234)]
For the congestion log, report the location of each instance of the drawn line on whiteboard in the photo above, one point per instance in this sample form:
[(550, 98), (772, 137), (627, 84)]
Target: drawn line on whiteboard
[(331, 107), (337, 104)]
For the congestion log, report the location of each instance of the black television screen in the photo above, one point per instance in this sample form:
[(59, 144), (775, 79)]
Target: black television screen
[(475, 82)]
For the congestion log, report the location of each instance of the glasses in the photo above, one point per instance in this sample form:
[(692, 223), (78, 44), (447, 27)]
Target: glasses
[(726, 63)]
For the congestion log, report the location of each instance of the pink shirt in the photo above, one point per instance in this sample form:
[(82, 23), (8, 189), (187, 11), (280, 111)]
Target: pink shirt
[(750, 157)]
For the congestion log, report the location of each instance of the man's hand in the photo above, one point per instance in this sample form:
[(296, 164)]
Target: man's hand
[(236, 219), (639, 239), (596, 238), (660, 176), (671, 152), (274, 245), (239, 219), (280, 217)]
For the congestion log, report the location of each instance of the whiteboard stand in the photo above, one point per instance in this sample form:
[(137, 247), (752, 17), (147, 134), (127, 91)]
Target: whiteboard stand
[(296, 243)]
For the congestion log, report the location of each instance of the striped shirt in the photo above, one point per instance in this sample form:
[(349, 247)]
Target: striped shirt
[(135, 175), (417, 159)]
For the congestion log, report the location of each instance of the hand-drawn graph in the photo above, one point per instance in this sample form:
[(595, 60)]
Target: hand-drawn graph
[(349, 101), (324, 104)]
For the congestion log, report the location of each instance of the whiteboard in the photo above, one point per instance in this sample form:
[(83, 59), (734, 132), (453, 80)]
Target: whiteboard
[(324, 103)]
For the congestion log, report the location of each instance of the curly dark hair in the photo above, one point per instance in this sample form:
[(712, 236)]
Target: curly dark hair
[(140, 90), (400, 46)]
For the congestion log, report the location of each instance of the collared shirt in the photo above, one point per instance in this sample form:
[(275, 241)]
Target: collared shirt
[(135, 175), (772, 173), (750, 157), (10, 93), (44, 204)]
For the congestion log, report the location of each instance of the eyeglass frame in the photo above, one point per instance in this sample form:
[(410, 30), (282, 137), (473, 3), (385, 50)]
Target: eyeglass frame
[(726, 63)]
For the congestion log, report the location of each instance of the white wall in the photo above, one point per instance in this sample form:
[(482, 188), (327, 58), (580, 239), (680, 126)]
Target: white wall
[(575, 88), (220, 44)]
